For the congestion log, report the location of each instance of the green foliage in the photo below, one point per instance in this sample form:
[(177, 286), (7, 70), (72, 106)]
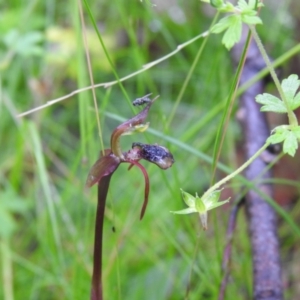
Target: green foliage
[(288, 134), (292, 100), (232, 25)]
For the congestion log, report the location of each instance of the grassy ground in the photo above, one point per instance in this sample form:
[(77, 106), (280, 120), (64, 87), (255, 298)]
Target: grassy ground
[(47, 215)]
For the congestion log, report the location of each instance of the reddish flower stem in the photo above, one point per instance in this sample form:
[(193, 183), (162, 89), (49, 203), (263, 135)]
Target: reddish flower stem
[(96, 292)]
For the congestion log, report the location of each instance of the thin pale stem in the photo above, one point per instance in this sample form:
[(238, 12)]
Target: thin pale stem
[(111, 83), (237, 171)]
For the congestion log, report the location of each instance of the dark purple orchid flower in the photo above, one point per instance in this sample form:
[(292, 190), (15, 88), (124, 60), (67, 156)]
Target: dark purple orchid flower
[(107, 164)]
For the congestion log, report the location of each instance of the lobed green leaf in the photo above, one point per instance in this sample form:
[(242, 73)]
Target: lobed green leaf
[(270, 103), (276, 138), (290, 87), (296, 131), (216, 3), (243, 5), (248, 19), (222, 25), (290, 144), (295, 102), (234, 32)]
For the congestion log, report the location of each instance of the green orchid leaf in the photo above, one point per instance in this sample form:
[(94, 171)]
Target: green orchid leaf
[(270, 103), (184, 211), (188, 199)]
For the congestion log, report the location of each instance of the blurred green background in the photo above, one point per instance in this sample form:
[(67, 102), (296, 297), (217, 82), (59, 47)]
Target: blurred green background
[(47, 215)]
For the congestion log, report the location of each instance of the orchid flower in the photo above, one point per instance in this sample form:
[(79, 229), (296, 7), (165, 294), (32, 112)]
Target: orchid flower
[(108, 163)]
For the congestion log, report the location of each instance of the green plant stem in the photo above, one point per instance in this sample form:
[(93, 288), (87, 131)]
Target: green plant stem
[(237, 171), (292, 118)]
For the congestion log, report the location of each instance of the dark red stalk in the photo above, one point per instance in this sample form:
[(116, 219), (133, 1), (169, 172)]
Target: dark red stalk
[(96, 293)]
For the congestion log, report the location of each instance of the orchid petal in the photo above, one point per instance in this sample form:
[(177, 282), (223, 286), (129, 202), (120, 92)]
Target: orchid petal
[(104, 166), (125, 127), (147, 183)]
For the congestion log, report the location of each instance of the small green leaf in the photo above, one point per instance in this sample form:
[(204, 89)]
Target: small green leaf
[(296, 131), (279, 134), (276, 138), (270, 103), (252, 3), (251, 19), (233, 33), (290, 145), (296, 102), (222, 25), (290, 87), (243, 5), (216, 3), (227, 7)]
